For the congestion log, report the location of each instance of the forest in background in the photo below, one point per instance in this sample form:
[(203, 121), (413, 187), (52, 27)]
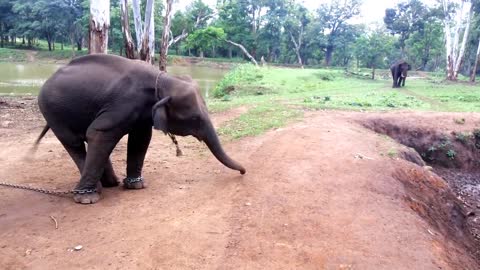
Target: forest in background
[(280, 31)]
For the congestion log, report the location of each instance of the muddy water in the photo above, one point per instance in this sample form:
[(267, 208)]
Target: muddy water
[(27, 78)]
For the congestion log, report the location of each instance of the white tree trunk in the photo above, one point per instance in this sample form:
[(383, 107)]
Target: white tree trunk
[(474, 71), (460, 22), (99, 24), (127, 37), (137, 19), (244, 51), (173, 41), (298, 45), (148, 38), (165, 36)]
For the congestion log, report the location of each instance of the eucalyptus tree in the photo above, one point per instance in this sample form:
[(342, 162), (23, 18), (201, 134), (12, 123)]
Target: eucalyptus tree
[(456, 23), (99, 25)]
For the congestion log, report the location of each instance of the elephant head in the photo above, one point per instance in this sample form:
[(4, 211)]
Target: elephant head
[(403, 68), (181, 110)]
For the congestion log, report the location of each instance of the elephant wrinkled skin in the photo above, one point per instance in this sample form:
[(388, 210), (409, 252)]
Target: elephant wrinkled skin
[(97, 99)]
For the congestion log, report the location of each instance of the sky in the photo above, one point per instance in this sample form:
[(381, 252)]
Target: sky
[(372, 11)]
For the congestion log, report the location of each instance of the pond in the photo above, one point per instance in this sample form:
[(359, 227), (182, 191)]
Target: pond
[(27, 78)]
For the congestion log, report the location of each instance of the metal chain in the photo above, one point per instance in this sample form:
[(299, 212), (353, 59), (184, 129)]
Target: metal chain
[(41, 190)]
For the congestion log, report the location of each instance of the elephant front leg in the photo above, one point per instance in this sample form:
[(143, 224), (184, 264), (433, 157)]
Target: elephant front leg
[(109, 179), (100, 146), (138, 141), (395, 82)]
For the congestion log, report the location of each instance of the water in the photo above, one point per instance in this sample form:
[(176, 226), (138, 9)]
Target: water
[(27, 78)]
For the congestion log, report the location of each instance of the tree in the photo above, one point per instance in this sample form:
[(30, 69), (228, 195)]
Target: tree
[(334, 17), (99, 24), (426, 43), (127, 36), (205, 39), (295, 25), (7, 19), (166, 32), (270, 35), (371, 49), (457, 20), (405, 19)]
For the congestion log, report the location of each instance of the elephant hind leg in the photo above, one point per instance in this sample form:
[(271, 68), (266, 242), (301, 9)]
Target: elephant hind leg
[(75, 147)]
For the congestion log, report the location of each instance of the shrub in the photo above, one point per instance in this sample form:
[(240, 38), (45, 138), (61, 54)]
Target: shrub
[(241, 73)]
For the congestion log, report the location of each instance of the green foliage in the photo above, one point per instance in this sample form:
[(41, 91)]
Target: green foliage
[(371, 49), (451, 154), (287, 92), (240, 74), (204, 39), (259, 119), (463, 137), (392, 153)]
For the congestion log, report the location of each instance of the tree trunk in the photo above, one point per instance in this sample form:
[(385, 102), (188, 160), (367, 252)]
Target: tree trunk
[(99, 24), (298, 46), (454, 54), (72, 41), (137, 19), (127, 37), (174, 41), (148, 37), (244, 51), (328, 55), (166, 31), (474, 71), (373, 72)]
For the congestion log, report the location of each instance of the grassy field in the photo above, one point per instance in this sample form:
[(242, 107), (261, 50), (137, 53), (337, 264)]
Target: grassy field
[(275, 96)]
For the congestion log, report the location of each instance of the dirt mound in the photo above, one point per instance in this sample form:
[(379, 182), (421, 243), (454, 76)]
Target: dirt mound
[(449, 150), (431, 197), (450, 205)]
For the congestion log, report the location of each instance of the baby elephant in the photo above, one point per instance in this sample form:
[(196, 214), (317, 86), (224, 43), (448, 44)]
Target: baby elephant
[(95, 100)]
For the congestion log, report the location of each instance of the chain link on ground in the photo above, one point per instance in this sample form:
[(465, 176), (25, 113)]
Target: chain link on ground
[(41, 190)]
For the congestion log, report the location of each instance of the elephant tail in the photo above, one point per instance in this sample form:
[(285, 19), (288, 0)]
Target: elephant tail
[(40, 137)]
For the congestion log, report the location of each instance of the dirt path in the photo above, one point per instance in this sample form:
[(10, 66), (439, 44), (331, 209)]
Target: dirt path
[(307, 202)]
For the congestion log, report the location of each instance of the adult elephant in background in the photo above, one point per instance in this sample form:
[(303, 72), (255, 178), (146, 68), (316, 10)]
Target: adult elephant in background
[(99, 98), (399, 73)]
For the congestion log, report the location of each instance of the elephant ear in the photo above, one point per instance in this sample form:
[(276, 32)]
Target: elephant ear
[(159, 115)]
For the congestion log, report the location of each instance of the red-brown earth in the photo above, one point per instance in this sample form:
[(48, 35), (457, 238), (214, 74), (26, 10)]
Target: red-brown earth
[(326, 192)]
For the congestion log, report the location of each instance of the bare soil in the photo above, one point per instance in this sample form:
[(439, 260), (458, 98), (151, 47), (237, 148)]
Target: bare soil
[(319, 194)]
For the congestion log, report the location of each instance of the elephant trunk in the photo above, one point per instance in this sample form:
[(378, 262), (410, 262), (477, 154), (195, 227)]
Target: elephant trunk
[(213, 143)]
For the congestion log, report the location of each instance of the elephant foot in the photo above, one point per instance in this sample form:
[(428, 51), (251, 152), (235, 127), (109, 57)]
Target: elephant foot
[(109, 181), (86, 196), (134, 183)]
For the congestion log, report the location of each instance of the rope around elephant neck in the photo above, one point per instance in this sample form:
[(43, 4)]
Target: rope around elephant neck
[(172, 137)]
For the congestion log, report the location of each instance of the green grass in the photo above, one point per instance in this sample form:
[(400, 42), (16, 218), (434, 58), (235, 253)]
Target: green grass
[(12, 55), (259, 119), (277, 95)]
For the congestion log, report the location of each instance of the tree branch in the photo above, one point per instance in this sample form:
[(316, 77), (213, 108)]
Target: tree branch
[(244, 51)]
